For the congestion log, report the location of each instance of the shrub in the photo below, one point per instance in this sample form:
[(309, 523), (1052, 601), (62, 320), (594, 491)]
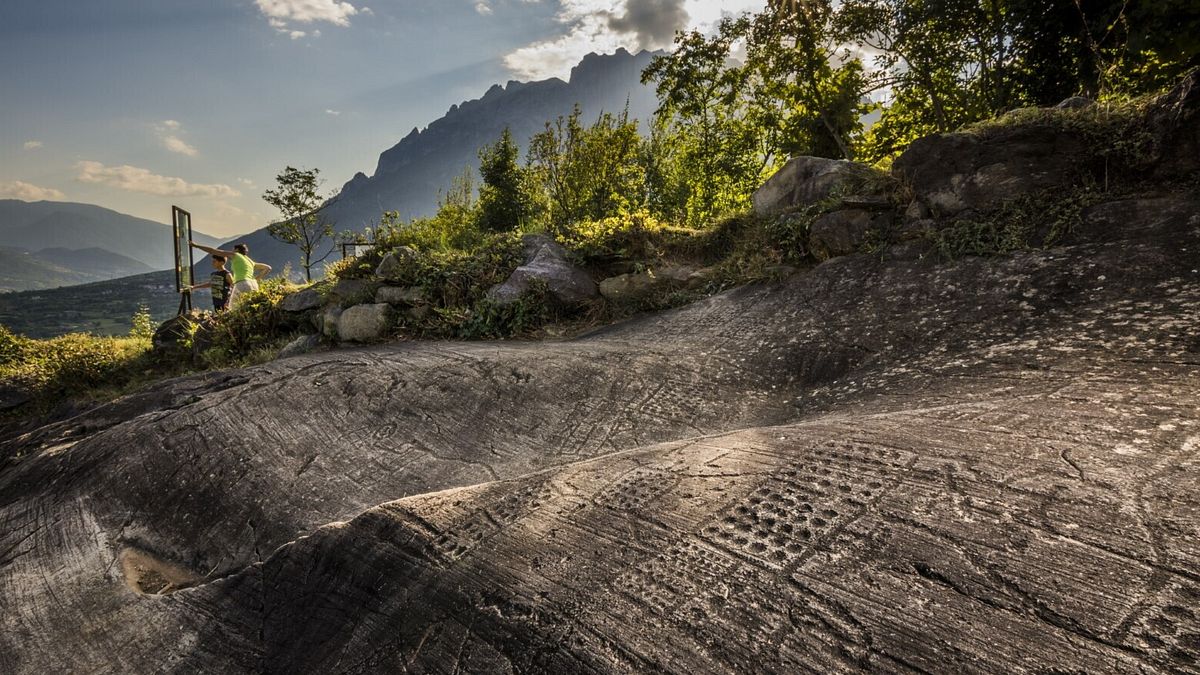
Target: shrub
[(72, 365)]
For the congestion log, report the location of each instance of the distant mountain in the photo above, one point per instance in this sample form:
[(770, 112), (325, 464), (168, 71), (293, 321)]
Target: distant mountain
[(34, 226), (21, 270), (410, 174)]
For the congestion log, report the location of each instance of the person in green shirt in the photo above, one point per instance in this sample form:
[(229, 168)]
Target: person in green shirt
[(246, 272)]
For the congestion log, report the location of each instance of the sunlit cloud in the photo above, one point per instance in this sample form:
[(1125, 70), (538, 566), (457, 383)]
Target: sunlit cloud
[(29, 192), (483, 8), (32, 145), (135, 179), (332, 113), (168, 132), (282, 15)]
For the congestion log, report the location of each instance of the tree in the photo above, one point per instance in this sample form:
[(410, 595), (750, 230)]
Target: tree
[(505, 202), (588, 173), (303, 224)]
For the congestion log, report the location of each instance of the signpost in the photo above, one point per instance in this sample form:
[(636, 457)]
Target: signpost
[(181, 223)]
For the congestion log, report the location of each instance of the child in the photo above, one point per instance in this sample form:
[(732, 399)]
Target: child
[(220, 283)]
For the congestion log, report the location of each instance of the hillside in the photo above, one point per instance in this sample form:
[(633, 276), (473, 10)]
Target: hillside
[(54, 267), (960, 436), (34, 226), (101, 308), (409, 176)]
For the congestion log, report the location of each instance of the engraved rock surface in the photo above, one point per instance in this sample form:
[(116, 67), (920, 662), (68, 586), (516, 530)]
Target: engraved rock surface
[(991, 465)]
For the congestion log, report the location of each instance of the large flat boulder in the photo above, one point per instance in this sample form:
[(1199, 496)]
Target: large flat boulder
[(988, 466), (951, 173)]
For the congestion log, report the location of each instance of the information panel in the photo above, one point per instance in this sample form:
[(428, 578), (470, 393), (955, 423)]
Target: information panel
[(184, 278)]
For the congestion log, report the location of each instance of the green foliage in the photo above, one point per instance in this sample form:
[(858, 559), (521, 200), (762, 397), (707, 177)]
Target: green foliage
[(588, 173), (489, 320), (505, 201), (1039, 220), (254, 325), (142, 324), (298, 201), (71, 365)]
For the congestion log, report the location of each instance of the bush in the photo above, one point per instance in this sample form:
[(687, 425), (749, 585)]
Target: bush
[(256, 324), (72, 365)]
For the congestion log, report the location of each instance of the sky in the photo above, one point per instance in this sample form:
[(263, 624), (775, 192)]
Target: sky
[(136, 105)]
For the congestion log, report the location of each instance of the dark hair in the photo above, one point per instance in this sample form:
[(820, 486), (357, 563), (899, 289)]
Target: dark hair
[(219, 258), (241, 248)]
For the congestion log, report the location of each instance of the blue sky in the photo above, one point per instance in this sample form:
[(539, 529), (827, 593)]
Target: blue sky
[(138, 104)]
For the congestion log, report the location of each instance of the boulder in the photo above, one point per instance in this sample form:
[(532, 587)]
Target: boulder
[(394, 263), (839, 233), (1137, 219), (547, 263), (807, 180), (951, 173), (174, 334), (1075, 103), (329, 321), (365, 323), (637, 285), (301, 345), (353, 291), (302, 301), (1175, 125), (400, 295)]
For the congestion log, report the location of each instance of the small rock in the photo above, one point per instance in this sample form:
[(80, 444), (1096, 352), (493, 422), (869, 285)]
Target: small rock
[(916, 211), (364, 323), (394, 263), (869, 202), (302, 301), (400, 295), (636, 285), (838, 233), (419, 313), (173, 333), (352, 291), (329, 321), (301, 345), (1075, 103), (567, 284)]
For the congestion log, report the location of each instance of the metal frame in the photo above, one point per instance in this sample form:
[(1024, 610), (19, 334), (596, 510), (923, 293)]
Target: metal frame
[(349, 246), (185, 301)]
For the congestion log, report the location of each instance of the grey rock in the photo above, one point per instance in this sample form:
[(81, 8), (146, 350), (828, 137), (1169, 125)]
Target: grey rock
[(329, 321), (839, 233), (951, 173), (1075, 103), (1138, 218), (302, 301), (419, 313), (896, 465), (1174, 122), (301, 345), (567, 284), (365, 323), (400, 295), (807, 180), (174, 333), (868, 202), (916, 211), (352, 291), (395, 263), (12, 397)]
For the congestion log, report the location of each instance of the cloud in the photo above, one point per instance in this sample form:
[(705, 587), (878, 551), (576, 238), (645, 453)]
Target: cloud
[(483, 8), (247, 182), (334, 113), (605, 25), (652, 22), (28, 192), (135, 179), (282, 14), (32, 145), (168, 135)]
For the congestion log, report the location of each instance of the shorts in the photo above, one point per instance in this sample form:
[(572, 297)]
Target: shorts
[(239, 288)]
